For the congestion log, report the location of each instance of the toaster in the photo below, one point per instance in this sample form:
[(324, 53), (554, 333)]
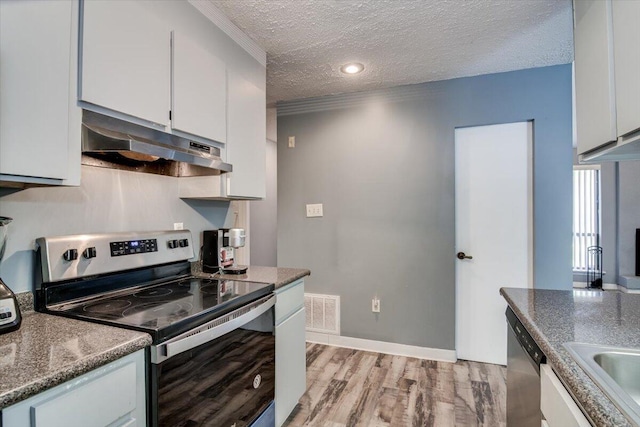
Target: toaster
[(10, 317)]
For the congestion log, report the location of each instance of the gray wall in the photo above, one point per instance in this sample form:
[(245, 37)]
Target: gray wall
[(628, 215), (264, 215), (382, 163), (107, 201)]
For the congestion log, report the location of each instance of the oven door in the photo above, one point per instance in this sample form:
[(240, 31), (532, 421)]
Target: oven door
[(219, 374)]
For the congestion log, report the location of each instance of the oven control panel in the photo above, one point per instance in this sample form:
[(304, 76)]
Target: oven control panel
[(82, 255), (130, 247)]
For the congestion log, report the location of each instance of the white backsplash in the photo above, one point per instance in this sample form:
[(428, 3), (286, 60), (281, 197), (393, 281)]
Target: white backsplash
[(107, 201)]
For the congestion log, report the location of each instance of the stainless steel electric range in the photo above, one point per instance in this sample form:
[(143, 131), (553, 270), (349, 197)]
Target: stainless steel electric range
[(212, 362)]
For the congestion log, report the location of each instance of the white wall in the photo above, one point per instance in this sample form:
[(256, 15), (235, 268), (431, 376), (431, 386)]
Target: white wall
[(107, 201)]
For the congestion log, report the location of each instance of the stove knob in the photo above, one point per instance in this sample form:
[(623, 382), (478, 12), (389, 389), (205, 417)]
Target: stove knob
[(70, 255), (172, 244), (184, 243), (89, 253)]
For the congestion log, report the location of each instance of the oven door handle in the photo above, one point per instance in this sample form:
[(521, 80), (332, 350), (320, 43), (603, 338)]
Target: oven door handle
[(211, 330)]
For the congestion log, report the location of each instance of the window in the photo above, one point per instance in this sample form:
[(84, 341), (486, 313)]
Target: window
[(586, 215)]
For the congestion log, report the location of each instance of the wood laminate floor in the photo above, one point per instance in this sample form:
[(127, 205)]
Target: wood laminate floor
[(348, 387)]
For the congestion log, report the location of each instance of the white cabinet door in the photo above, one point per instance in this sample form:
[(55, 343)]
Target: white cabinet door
[(626, 40), (290, 364), (126, 59), (556, 404), (35, 86), (111, 395), (246, 137), (199, 90), (595, 92)]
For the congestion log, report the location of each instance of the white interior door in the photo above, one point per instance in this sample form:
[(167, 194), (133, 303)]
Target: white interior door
[(494, 226)]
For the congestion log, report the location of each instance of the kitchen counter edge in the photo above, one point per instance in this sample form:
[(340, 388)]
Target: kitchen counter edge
[(598, 407), (30, 377), (279, 276)]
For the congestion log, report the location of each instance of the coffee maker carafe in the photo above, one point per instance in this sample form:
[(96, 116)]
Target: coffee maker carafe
[(218, 250)]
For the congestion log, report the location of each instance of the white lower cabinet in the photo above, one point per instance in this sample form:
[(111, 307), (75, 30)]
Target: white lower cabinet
[(290, 349), (556, 404), (110, 396)]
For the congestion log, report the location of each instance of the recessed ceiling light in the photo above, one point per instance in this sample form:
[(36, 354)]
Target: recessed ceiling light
[(352, 68)]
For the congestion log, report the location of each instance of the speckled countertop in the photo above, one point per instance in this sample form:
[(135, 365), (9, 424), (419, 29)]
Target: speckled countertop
[(49, 350), (276, 275), (596, 317)]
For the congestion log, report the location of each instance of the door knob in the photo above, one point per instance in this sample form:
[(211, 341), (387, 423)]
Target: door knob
[(462, 255)]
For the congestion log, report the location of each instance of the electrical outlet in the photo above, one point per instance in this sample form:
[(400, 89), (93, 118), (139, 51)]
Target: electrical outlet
[(314, 210), (375, 305), (178, 226)]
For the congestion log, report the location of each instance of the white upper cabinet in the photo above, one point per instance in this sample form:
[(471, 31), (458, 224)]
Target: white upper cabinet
[(159, 64), (607, 60), (39, 122), (199, 90), (626, 41), (247, 138), (245, 149), (595, 101), (126, 60)]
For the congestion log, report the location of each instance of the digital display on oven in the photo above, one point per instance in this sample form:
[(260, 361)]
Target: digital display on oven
[(131, 247)]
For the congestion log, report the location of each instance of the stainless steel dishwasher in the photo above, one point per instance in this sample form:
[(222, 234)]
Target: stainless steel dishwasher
[(523, 375)]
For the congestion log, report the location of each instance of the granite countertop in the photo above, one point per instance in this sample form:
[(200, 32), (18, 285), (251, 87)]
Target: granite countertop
[(595, 317), (49, 350), (277, 275)]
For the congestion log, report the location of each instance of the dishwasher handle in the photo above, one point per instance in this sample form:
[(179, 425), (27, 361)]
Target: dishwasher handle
[(211, 330)]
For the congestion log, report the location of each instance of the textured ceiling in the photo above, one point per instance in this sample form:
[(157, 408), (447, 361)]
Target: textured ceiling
[(398, 41)]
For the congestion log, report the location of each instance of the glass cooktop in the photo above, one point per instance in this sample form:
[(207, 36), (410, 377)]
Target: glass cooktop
[(167, 309)]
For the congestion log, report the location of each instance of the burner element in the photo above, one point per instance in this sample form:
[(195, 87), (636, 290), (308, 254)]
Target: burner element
[(209, 289), (153, 293), (107, 307), (159, 310)]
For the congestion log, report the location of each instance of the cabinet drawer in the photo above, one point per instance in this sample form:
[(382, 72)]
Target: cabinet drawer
[(289, 299), (97, 403), (556, 404)]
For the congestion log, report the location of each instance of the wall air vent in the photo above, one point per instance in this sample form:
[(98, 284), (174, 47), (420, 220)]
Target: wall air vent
[(323, 313)]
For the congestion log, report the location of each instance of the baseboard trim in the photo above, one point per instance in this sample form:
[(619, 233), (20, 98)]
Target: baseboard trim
[(427, 353), (627, 290), (605, 286)]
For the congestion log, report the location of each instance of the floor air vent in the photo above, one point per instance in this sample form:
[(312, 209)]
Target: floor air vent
[(323, 313)]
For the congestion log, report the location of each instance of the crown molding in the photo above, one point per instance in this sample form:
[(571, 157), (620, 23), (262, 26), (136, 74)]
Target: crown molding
[(358, 99)]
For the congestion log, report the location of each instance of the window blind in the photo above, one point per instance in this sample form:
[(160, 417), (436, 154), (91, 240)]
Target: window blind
[(586, 214)]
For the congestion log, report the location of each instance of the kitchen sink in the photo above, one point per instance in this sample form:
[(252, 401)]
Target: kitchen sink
[(615, 370)]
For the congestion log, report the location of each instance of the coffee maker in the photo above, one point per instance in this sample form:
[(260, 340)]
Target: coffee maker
[(10, 317), (218, 250)]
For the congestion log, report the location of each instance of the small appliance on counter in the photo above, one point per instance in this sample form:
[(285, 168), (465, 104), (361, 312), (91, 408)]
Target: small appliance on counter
[(10, 317), (218, 250)]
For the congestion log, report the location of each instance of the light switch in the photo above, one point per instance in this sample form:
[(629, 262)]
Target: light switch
[(292, 141), (314, 210)]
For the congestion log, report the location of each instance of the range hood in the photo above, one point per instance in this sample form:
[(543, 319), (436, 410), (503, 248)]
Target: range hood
[(113, 143)]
